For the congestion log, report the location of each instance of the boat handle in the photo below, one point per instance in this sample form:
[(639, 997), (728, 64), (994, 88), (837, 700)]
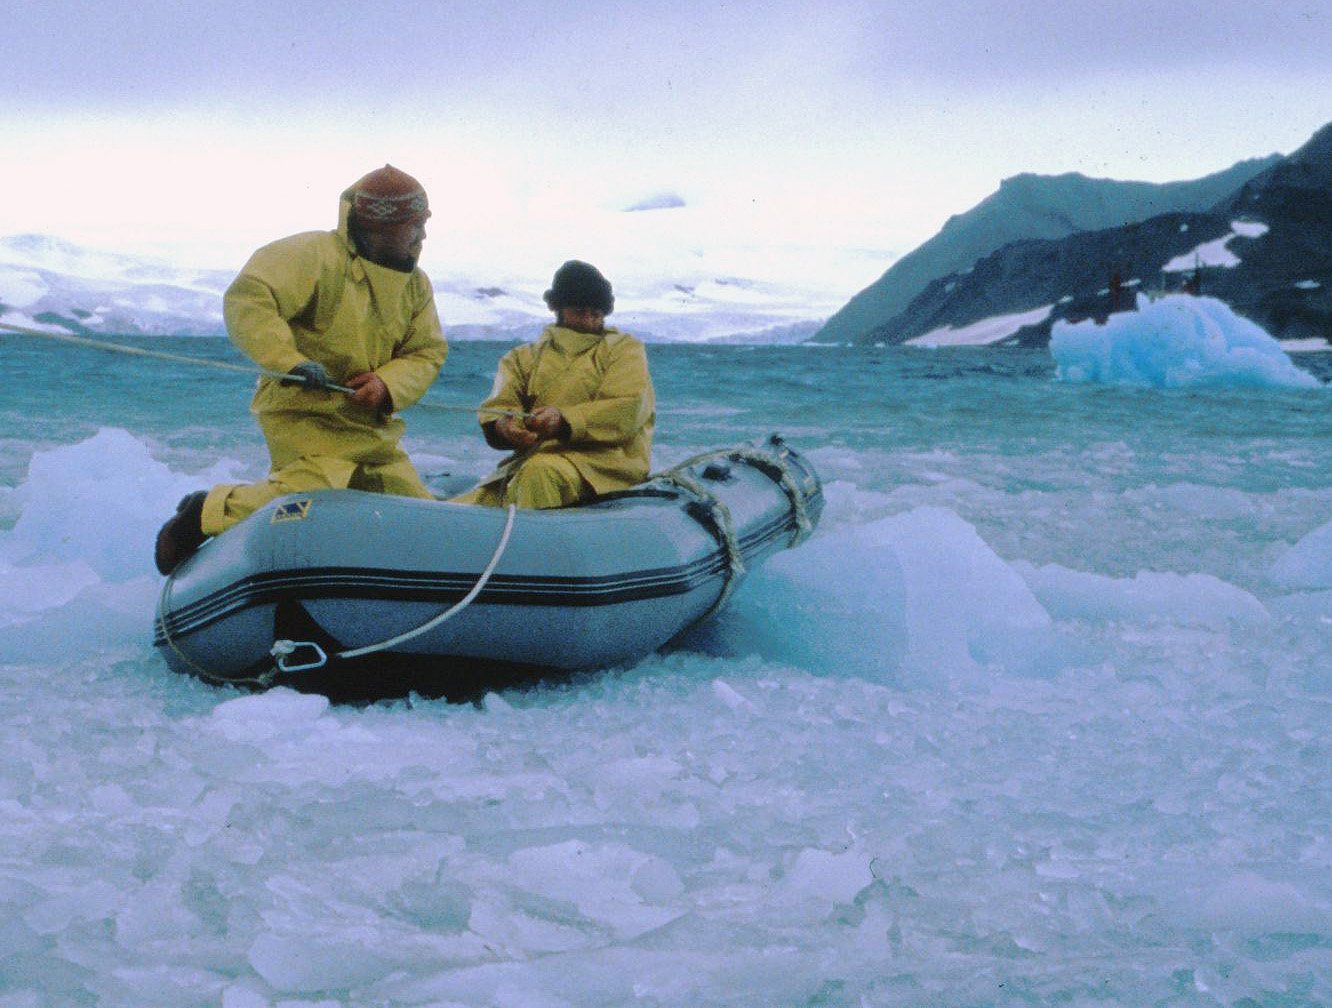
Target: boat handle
[(284, 649)]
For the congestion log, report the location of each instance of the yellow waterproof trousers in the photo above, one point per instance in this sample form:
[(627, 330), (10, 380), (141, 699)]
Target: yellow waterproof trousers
[(546, 480), (228, 503)]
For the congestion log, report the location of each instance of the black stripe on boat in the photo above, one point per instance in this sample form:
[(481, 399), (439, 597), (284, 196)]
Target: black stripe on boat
[(447, 587)]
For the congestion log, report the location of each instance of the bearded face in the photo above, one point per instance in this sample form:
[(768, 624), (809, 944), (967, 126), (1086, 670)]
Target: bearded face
[(394, 246)]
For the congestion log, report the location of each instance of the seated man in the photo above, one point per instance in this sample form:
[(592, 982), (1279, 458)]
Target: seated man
[(589, 401), (347, 307)]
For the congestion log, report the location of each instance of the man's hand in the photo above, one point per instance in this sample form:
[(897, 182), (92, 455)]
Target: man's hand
[(371, 392), (309, 374), (547, 422), (511, 430)]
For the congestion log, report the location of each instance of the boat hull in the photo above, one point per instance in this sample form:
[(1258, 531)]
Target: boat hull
[(579, 588)]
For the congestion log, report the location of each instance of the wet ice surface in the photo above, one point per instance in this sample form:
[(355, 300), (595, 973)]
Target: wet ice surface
[(694, 831), (1038, 716)]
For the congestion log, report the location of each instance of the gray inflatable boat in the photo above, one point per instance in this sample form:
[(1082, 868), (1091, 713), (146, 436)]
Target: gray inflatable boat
[(362, 595)]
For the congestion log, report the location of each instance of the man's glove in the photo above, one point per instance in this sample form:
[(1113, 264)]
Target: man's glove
[(311, 374)]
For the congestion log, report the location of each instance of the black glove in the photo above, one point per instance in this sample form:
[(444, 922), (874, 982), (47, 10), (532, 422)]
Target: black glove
[(311, 374)]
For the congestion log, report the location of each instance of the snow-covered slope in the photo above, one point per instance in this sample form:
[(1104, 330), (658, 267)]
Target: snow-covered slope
[(44, 279)]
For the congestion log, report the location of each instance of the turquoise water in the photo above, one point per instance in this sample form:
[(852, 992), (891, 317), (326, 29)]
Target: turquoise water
[(1039, 715), (1046, 470)]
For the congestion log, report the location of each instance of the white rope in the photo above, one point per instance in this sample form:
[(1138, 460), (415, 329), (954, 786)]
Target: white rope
[(263, 680), (453, 610), (284, 647)]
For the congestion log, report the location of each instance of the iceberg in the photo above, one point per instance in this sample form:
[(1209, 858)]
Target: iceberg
[(1175, 341)]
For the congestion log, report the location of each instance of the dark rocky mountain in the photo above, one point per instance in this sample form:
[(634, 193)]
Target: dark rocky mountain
[(1273, 232), (1026, 207)]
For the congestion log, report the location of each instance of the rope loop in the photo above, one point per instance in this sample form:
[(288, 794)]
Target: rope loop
[(447, 614), (283, 649)]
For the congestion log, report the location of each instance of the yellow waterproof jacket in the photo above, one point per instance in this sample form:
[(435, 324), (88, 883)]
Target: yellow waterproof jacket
[(600, 383), (312, 297)]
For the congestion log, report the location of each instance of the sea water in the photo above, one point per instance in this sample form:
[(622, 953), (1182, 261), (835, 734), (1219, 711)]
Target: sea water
[(1040, 715)]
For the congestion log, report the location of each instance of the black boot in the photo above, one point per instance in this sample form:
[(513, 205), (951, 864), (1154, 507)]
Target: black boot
[(182, 534)]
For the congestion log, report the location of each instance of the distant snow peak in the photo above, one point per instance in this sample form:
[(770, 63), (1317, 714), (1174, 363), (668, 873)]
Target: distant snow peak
[(21, 288), (664, 200), (38, 243)]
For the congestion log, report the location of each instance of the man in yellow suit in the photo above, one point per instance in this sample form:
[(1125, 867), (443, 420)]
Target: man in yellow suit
[(346, 307), (588, 398)]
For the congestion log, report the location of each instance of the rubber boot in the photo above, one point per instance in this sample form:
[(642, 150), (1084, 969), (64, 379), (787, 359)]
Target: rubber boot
[(182, 534)]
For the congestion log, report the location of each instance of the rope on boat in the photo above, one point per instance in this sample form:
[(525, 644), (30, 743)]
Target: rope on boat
[(164, 621), (720, 515), (773, 465), (121, 348), (283, 649), (263, 680)]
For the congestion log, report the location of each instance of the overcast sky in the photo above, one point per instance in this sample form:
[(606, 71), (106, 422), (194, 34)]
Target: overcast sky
[(849, 126)]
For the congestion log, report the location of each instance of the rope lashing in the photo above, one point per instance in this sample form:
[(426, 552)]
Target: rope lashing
[(774, 465), (720, 516)]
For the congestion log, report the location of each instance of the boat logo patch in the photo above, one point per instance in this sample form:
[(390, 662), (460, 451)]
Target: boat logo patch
[(292, 511)]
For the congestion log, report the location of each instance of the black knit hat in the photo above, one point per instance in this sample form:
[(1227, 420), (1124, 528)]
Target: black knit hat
[(580, 285)]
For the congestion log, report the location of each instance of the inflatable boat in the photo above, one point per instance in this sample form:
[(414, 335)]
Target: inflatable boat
[(361, 595)]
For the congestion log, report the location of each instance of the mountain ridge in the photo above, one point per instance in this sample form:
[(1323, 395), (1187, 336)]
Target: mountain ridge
[(1263, 248), (1026, 206)]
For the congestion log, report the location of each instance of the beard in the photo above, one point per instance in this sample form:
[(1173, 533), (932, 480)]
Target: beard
[(398, 263)]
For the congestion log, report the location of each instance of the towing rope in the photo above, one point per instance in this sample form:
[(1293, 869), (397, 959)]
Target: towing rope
[(121, 348)]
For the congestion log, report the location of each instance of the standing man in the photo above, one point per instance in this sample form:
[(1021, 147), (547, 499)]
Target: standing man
[(347, 307), (589, 398)]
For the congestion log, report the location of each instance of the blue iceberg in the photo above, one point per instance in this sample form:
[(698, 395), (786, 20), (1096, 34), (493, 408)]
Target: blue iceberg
[(1172, 342)]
